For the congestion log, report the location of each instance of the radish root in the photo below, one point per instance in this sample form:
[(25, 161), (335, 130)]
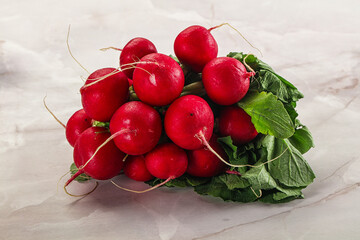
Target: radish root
[(260, 192), (108, 48), (81, 195), (246, 65), (146, 190), (238, 33), (68, 47), (52, 113), (117, 70)]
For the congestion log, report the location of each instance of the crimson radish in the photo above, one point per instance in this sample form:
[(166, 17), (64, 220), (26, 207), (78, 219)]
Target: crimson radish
[(236, 123), (166, 161), (135, 168), (226, 80), (188, 121), (105, 164), (104, 92), (133, 51), (138, 128), (195, 47), (158, 79), (77, 124), (203, 163)]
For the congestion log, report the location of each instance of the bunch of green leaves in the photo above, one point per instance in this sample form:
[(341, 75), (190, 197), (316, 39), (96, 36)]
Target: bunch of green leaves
[(272, 168)]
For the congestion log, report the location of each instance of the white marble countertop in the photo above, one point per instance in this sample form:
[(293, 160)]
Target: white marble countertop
[(314, 44)]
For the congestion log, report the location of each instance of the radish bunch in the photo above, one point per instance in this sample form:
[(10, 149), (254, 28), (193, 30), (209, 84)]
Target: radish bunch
[(213, 123)]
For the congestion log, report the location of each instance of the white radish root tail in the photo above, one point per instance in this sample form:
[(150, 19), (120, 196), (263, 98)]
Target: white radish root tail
[(146, 190), (227, 24), (108, 48), (104, 143), (117, 70), (52, 113), (81, 195), (68, 47)]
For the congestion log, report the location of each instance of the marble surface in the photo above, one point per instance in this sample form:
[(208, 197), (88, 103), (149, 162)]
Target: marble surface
[(314, 44)]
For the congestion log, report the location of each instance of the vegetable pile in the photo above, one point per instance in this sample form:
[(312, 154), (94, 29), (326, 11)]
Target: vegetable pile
[(225, 126)]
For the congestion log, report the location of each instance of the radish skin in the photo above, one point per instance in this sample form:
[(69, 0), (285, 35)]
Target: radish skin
[(105, 164), (186, 118), (141, 126), (203, 163), (166, 161), (133, 51), (226, 80), (236, 123), (158, 80), (195, 47), (76, 125), (135, 169), (102, 99)]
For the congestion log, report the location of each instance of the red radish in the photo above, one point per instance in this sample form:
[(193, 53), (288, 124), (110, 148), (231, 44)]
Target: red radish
[(187, 120), (130, 82), (133, 51), (195, 47), (77, 124), (166, 161), (235, 122), (226, 80), (135, 168), (139, 128), (104, 92), (158, 79), (203, 163), (105, 164)]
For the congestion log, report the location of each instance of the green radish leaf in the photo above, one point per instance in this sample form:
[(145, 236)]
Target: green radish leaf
[(284, 90), (217, 188), (302, 139), (290, 108), (233, 181), (290, 168), (236, 156), (267, 114), (185, 180), (82, 177), (267, 80), (287, 192), (260, 178)]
